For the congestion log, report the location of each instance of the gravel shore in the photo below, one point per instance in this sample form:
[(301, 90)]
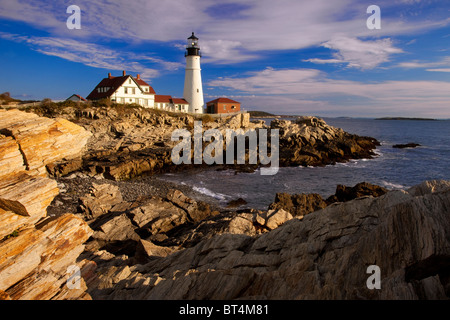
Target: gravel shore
[(77, 185)]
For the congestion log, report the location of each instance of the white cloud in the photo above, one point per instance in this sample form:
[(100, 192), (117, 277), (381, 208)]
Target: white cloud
[(357, 53), (424, 98), (439, 70), (95, 55), (443, 62), (259, 25)]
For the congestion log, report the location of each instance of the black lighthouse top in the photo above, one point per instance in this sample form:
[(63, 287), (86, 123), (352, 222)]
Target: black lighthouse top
[(192, 48)]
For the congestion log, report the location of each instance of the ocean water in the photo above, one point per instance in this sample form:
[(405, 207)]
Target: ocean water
[(392, 168)]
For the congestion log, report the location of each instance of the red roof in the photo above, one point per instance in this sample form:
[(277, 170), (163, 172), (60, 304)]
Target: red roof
[(78, 96), (142, 83), (179, 101), (223, 100), (162, 98), (113, 83)]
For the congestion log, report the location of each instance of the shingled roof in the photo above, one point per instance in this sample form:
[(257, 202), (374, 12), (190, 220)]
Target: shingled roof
[(113, 83), (222, 100)]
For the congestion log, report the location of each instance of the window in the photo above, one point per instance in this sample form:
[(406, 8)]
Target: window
[(134, 90), (146, 89), (198, 90), (131, 100), (129, 81), (224, 107), (233, 107), (125, 90), (99, 90)]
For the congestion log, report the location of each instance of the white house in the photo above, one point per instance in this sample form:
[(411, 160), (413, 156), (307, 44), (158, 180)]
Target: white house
[(167, 103), (124, 89)]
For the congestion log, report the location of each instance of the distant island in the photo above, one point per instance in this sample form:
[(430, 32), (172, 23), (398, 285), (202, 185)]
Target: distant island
[(405, 118), (260, 114)]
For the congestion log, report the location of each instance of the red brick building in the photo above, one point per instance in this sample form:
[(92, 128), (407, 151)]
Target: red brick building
[(223, 105)]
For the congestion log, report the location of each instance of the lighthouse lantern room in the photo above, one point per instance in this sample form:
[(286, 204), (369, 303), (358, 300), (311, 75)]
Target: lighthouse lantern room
[(193, 90)]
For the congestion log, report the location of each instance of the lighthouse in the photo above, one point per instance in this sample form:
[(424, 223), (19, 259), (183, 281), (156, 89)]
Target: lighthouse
[(193, 90)]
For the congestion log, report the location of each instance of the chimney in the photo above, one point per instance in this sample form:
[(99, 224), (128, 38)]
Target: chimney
[(138, 76), (109, 75), (124, 73)]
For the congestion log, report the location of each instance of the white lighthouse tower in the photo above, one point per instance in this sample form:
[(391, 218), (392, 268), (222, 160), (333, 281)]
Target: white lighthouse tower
[(193, 90)]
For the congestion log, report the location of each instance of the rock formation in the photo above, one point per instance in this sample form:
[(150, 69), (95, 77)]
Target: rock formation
[(406, 145), (129, 142), (310, 141), (325, 255), (37, 250), (171, 246)]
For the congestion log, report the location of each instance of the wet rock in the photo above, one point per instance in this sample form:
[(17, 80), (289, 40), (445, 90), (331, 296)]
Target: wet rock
[(236, 203), (298, 204), (344, 193), (407, 145), (310, 141)]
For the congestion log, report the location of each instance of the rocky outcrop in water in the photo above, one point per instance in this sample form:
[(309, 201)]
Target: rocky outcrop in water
[(310, 141), (128, 142)]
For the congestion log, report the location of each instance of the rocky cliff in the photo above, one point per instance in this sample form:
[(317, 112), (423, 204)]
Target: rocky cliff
[(323, 255), (128, 142), (35, 249), (129, 240)]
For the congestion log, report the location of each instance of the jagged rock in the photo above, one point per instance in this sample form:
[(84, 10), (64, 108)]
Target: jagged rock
[(114, 227), (275, 218), (236, 203), (27, 144), (11, 160), (24, 200), (344, 193), (323, 256), (158, 216), (301, 204), (298, 204), (309, 141), (197, 211), (100, 200), (146, 249), (43, 140), (33, 264), (406, 145)]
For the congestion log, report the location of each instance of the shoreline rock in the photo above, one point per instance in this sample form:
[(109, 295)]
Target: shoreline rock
[(37, 250), (325, 255), (407, 145), (158, 242)]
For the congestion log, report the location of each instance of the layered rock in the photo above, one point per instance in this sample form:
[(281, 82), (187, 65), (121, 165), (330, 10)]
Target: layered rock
[(325, 255), (37, 250), (310, 141), (301, 204), (129, 142)]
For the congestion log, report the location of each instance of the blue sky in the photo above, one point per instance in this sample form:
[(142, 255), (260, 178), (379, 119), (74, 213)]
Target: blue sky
[(282, 56)]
